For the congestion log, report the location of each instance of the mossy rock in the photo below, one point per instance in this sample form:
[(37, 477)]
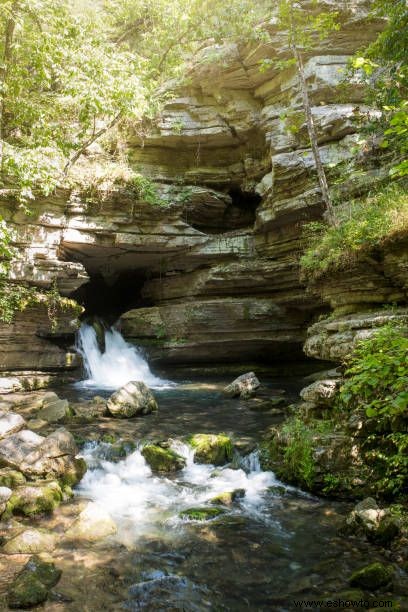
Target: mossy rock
[(201, 514), (27, 591), (215, 449), (11, 478), (373, 576), (35, 498), (31, 541), (74, 472), (228, 497), (32, 585), (162, 459)]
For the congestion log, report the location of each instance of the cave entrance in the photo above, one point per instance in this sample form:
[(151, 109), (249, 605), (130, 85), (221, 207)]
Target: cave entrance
[(107, 299)]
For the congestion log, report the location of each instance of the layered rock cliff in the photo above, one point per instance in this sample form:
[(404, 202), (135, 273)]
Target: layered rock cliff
[(208, 272)]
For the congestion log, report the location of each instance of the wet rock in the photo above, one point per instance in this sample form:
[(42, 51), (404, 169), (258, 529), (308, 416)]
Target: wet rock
[(321, 392), (10, 423), (93, 524), (166, 593), (89, 411), (275, 404), (35, 498), (31, 541), (32, 585), (14, 448), (368, 519), (201, 514), (244, 386), (373, 576), (55, 411), (163, 459), (135, 398), (211, 448), (228, 497)]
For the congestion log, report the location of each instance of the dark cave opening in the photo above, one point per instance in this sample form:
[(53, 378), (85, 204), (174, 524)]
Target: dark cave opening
[(108, 299)]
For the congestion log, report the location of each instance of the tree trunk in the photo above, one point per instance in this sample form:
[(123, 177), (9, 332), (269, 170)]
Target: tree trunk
[(4, 73), (90, 141), (321, 174)]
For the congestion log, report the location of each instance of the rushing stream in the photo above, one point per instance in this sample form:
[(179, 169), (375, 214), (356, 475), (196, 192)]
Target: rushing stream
[(274, 546)]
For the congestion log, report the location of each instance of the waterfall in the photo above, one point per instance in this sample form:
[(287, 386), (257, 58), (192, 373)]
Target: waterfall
[(120, 363)]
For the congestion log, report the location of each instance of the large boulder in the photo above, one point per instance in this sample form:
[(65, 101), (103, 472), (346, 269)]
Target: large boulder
[(321, 392), (32, 585), (215, 449), (373, 576), (55, 457), (15, 448), (244, 386), (93, 524), (163, 459), (10, 423), (135, 398)]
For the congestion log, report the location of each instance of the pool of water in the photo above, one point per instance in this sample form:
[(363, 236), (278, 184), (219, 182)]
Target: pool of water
[(274, 546)]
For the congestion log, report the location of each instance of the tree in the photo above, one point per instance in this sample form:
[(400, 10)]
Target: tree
[(384, 66), (63, 85), (303, 28)]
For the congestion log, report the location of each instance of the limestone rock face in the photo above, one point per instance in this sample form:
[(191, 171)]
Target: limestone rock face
[(134, 398), (216, 256), (333, 339)]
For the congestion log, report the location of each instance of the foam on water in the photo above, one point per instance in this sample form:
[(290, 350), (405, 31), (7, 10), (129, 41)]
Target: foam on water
[(117, 365), (141, 502)]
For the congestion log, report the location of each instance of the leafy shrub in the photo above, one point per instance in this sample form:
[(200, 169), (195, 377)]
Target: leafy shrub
[(377, 376), (377, 380)]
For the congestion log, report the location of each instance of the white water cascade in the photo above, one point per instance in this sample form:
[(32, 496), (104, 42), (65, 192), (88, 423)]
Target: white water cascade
[(143, 503), (120, 363)]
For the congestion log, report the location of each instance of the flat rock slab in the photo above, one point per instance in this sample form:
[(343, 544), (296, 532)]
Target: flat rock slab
[(93, 524), (10, 423), (31, 541), (16, 447)]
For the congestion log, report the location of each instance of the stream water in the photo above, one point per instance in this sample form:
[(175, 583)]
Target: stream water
[(273, 547)]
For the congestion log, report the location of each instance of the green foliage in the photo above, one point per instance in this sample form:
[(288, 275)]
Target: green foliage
[(377, 374), (16, 298), (363, 226), (145, 190), (298, 454), (383, 66), (377, 381)]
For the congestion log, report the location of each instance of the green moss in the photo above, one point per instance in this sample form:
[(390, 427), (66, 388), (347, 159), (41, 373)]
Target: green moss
[(74, 473), (373, 576), (31, 500), (31, 586), (215, 449), (11, 478), (228, 498), (27, 591), (162, 459), (201, 514)]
